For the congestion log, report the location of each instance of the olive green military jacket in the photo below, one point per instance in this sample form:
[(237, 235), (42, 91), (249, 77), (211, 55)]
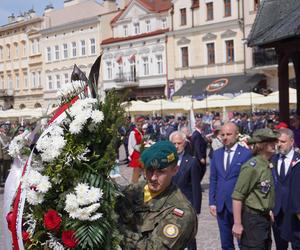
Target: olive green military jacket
[(255, 185), (168, 221)]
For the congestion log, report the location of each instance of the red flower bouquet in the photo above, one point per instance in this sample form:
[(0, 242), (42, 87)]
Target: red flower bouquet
[(68, 238)]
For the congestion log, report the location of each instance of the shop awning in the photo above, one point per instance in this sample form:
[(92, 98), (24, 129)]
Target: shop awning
[(220, 85)]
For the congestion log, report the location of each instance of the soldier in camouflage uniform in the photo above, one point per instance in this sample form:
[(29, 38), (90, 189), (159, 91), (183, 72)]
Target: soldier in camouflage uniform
[(154, 214), (254, 194)]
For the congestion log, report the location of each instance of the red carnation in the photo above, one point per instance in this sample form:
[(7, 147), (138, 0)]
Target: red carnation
[(52, 220), (68, 238), (9, 219), (25, 235)]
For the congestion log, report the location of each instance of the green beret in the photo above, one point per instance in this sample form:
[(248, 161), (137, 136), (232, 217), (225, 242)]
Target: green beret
[(160, 155), (263, 135)]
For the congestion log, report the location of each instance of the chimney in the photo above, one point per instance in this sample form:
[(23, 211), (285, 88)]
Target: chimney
[(123, 3), (20, 17), (31, 13), (110, 5), (48, 8), (11, 18)]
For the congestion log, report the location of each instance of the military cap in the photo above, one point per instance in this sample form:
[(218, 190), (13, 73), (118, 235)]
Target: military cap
[(160, 155), (263, 135)]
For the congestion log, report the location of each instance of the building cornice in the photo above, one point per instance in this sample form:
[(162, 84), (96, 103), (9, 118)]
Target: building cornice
[(71, 25), (19, 24), (206, 28)]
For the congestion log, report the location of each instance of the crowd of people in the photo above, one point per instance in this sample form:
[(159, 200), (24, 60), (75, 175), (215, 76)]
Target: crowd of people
[(253, 164), (253, 184)]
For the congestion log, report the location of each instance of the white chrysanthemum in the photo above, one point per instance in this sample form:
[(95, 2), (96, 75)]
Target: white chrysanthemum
[(51, 144), (17, 143), (31, 178), (97, 116), (95, 194), (44, 185), (71, 203), (71, 88), (34, 198), (76, 203), (95, 217)]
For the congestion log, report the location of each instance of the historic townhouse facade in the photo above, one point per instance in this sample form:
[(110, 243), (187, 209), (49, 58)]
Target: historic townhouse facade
[(21, 62), (208, 40), (135, 57), (72, 35)]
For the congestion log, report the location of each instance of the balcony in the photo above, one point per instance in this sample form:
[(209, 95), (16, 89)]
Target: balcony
[(264, 57), (126, 79), (6, 93)]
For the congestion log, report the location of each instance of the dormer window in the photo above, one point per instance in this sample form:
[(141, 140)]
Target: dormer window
[(125, 30), (136, 28), (148, 25)]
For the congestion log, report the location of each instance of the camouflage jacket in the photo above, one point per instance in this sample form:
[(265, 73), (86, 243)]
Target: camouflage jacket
[(166, 222)]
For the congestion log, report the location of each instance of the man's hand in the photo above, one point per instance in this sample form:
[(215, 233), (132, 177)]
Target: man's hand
[(298, 216), (213, 210), (237, 230), (202, 161)]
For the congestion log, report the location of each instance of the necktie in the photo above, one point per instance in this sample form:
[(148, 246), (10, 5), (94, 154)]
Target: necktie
[(282, 168), (227, 160)]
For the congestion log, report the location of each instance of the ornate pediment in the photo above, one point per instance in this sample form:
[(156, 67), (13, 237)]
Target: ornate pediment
[(183, 41), (209, 36), (228, 33)]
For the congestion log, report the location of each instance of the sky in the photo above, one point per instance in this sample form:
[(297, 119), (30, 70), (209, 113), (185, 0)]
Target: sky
[(7, 7)]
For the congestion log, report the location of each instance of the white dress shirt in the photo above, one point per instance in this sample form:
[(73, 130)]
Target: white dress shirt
[(232, 152), (287, 161)]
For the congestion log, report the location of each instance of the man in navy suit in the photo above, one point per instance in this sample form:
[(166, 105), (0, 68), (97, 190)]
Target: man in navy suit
[(188, 175), (283, 163), (224, 171), (199, 145)]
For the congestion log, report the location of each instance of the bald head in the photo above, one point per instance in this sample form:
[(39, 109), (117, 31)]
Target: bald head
[(229, 134)]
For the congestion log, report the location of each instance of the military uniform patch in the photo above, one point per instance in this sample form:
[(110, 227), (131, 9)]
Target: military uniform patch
[(178, 212), (252, 163), (171, 231)]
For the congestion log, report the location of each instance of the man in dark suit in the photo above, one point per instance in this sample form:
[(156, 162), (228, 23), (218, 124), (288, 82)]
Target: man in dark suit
[(199, 145), (224, 171), (283, 162), (188, 175)]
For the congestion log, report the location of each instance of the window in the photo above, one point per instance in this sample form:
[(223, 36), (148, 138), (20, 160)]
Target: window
[(39, 79), (65, 48), (256, 4), (32, 47), (16, 50), (132, 71), (210, 53), (1, 82), (82, 43), (57, 81), (56, 52), (50, 84), (33, 80), (66, 76), (17, 81), (49, 54), (109, 70), (227, 7), (38, 46), (164, 23), (229, 51), (24, 49), (159, 64), (146, 66), (8, 52), (125, 29), (148, 25), (74, 49), (136, 28), (1, 53), (93, 46), (210, 11), (183, 16), (25, 81), (10, 83), (184, 56)]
